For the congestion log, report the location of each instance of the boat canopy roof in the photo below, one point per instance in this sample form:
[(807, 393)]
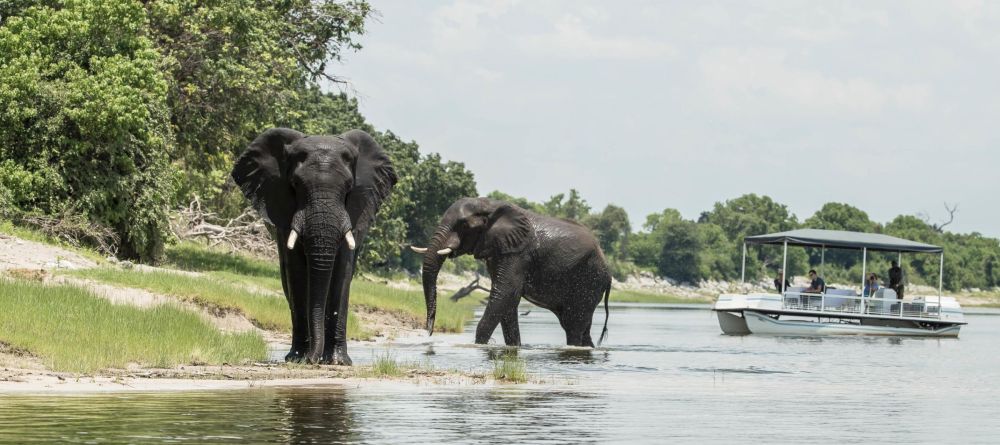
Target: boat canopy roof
[(842, 239)]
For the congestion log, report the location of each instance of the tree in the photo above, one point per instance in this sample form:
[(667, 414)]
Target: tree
[(756, 215), (679, 255), (84, 126), (715, 259), (574, 208), (523, 203), (839, 216), (239, 67), (612, 229)]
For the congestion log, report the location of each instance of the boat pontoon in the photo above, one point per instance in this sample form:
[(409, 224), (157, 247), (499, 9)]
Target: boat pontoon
[(839, 311)]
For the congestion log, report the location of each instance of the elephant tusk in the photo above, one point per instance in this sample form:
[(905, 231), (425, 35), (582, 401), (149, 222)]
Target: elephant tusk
[(350, 240), (445, 251), (418, 249), (291, 239)]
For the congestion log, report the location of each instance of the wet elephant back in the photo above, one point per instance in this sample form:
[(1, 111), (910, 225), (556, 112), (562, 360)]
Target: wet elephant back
[(567, 256)]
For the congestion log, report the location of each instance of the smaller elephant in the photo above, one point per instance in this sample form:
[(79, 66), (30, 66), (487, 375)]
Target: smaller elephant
[(554, 263)]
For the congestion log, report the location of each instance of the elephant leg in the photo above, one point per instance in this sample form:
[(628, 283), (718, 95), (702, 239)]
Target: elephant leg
[(293, 283), (508, 281), (577, 327), (511, 330), (335, 346)]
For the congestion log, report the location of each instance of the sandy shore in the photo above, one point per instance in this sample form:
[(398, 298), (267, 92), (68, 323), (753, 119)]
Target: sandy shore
[(195, 378)]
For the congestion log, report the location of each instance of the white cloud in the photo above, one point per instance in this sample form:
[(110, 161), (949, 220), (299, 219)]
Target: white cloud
[(738, 78), (459, 27), (487, 75), (571, 38)]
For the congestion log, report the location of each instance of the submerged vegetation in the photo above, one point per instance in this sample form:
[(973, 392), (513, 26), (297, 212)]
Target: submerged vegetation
[(70, 329)]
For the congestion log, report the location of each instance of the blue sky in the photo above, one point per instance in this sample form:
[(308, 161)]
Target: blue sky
[(893, 107)]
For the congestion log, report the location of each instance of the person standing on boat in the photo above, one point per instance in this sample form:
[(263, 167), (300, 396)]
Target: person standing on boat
[(777, 281), (871, 285), (896, 279)]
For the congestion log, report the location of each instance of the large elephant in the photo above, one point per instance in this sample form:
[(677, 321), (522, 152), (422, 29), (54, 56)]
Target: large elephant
[(319, 193), (554, 263)]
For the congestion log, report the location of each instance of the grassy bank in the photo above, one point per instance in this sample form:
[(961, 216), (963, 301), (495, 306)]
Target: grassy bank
[(633, 296), (266, 310), (235, 269), (252, 287), (70, 329)]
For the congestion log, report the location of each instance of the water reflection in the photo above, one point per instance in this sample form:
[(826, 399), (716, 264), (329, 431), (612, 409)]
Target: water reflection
[(320, 415), (665, 375)]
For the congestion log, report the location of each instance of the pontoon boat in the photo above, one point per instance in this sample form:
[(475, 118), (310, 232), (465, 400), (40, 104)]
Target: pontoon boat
[(839, 311)]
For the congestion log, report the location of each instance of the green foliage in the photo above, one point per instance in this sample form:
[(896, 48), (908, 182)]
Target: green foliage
[(838, 216), (750, 215), (520, 202), (508, 367), (239, 67), (74, 330), (679, 257), (385, 365), (612, 229), (84, 124), (574, 207)]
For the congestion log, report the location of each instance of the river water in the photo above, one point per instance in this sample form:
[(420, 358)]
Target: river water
[(665, 374)]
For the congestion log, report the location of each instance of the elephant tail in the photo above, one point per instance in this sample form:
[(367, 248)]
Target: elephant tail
[(604, 333)]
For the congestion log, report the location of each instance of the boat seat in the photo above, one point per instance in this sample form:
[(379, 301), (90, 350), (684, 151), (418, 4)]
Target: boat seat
[(835, 298), (883, 302), (791, 297)]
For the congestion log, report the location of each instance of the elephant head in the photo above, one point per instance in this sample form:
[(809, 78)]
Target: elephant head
[(482, 227), (318, 192)]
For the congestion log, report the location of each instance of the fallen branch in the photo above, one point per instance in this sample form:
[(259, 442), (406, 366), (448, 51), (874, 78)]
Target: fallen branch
[(245, 233)]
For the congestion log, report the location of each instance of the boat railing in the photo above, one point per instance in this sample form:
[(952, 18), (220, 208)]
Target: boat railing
[(857, 304)]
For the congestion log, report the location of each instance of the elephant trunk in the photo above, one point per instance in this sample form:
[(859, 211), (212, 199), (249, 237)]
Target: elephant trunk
[(431, 266), (324, 233)]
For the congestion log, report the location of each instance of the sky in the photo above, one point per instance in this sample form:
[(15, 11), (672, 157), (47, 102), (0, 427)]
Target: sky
[(893, 107)]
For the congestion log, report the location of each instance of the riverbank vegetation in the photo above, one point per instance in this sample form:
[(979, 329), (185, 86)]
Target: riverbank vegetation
[(70, 329), (635, 296), (252, 287), (508, 367), (100, 143)]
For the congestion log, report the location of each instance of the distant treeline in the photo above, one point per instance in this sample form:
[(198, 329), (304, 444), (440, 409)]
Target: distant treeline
[(114, 112), (710, 248)]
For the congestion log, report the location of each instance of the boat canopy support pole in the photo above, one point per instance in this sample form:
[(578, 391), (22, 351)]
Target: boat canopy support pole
[(940, 285), (822, 260), (784, 268), (743, 269), (864, 270)]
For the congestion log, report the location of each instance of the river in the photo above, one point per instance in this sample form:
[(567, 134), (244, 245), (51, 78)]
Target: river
[(665, 374)]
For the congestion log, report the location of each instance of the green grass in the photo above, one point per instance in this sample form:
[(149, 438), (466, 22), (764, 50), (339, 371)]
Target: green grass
[(236, 269), (385, 365), (266, 311), (72, 330), (632, 296), (508, 367), (197, 257)]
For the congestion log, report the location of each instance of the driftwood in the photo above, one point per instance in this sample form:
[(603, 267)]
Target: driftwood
[(245, 233), (465, 291), (75, 229)]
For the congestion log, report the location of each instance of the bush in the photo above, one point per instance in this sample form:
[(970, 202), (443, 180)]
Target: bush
[(84, 123)]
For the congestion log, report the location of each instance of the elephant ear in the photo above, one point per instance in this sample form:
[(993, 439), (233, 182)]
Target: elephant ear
[(374, 178), (509, 231), (261, 173)]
